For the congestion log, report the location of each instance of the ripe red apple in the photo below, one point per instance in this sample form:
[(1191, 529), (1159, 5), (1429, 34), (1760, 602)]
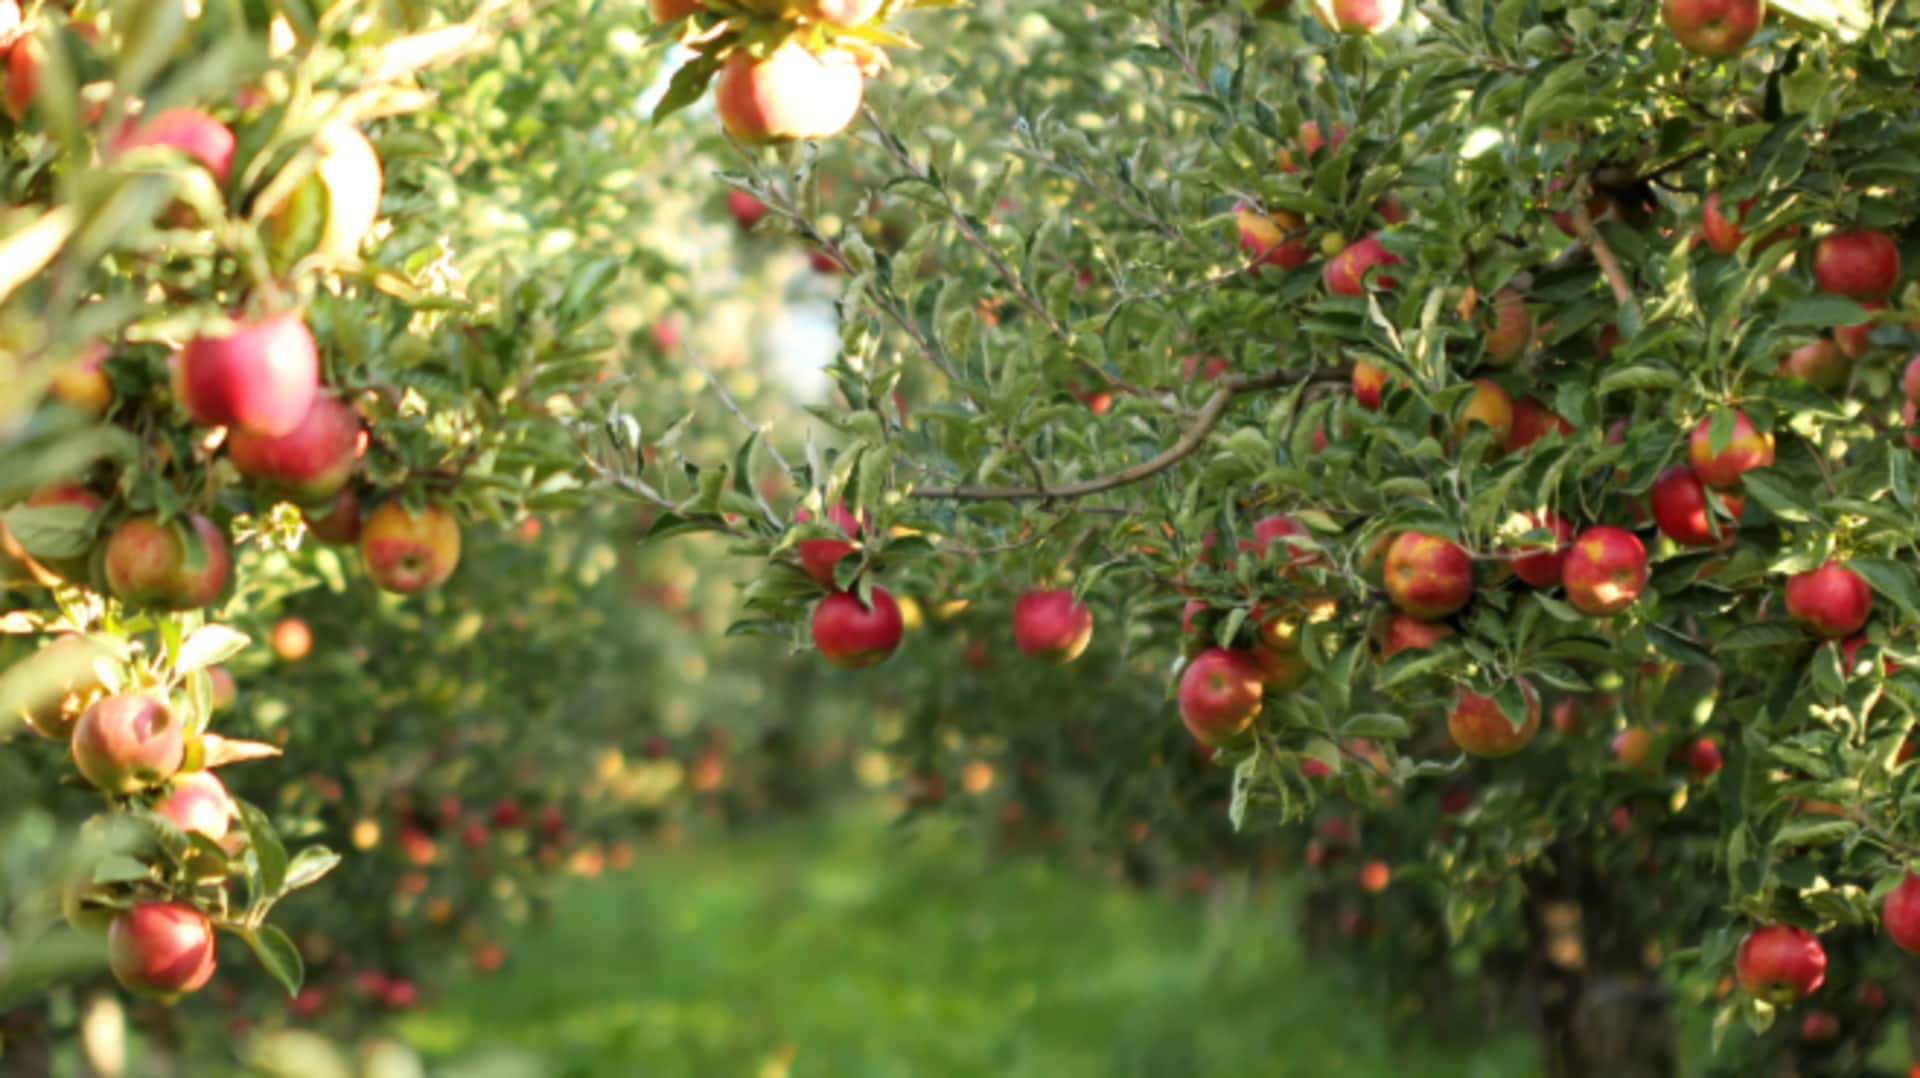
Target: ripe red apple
[(1832, 600), (310, 463), (24, 61), (746, 209), (1490, 407), (190, 131), (1052, 625), (1369, 381), (1404, 632), (1745, 450), (850, 634), (1908, 411), (1509, 328), (1820, 363), (1859, 262), (1900, 914), (1713, 27), (1722, 235), (1220, 693), (1605, 570), (340, 523), (127, 743), (1542, 569), (163, 948), (819, 556), (793, 93), (1856, 340), (1356, 16), (260, 377), (1533, 421), (1345, 273), (1427, 576), (1270, 239), (1910, 379), (1269, 542), (179, 565), (1480, 729), (1679, 502), (1780, 964), (197, 801), (1374, 876), (1703, 756), (331, 211), (669, 10), (407, 552), (1850, 656)]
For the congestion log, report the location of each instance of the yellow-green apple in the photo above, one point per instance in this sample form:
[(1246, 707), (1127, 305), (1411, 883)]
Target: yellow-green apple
[(340, 524), (64, 680), (1219, 694), (792, 93), (1052, 625), (1270, 239), (179, 565), (1404, 632), (1605, 570), (1345, 273), (1745, 449), (188, 130), (309, 464), (127, 743), (1703, 756), (330, 212), (1509, 327), (1489, 406), (256, 376), (746, 209), (1632, 747), (819, 556), (1900, 914), (1356, 16), (82, 385), (1713, 27), (405, 551), (1857, 262), (1533, 421), (1780, 963), (1820, 363), (1679, 502), (1541, 569), (1427, 576), (1369, 381), (1479, 728), (851, 633), (161, 948), (1832, 600), (197, 801), (77, 568)]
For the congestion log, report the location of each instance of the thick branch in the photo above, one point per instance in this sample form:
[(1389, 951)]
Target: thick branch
[(1203, 423)]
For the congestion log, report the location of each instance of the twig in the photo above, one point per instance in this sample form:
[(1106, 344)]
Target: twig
[(733, 406), (1602, 254), (1203, 423)]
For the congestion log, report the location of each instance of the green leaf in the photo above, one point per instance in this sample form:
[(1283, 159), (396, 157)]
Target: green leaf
[(1376, 725), (269, 855), (278, 956), (308, 866), (1890, 579), (1814, 832), (51, 531), (1641, 378), (1819, 312), (689, 83), (209, 645), (1782, 498)]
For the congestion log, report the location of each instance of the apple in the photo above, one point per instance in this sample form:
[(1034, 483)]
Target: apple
[(225, 692), (1857, 340), (1900, 914), (1605, 570), (163, 948), (1404, 632), (1632, 747), (1910, 379), (1533, 421), (77, 568), (851, 634), (792, 93), (1269, 542), (197, 801), (1780, 964), (260, 376), (1715, 28), (292, 639), (407, 552), (127, 743), (332, 210), (1369, 381), (1907, 415), (1220, 693), (746, 209), (1489, 406), (1356, 16), (1820, 363), (1679, 502), (1345, 273), (838, 12), (1703, 756), (179, 565), (1542, 569), (1509, 329), (1859, 262), (819, 556), (1374, 877), (1052, 625), (669, 10), (1311, 142), (1280, 668), (1193, 367), (1722, 235), (1270, 239), (1745, 449), (1427, 576), (1832, 600), (1566, 715), (190, 131), (81, 385), (65, 681), (24, 61), (309, 464), (1850, 656), (1479, 728), (340, 523)]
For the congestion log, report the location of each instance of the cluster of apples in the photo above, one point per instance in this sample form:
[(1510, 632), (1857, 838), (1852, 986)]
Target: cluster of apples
[(1276, 237), (787, 91)]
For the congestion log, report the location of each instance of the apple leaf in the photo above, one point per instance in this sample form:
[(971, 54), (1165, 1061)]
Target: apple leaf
[(278, 956), (209, 645)]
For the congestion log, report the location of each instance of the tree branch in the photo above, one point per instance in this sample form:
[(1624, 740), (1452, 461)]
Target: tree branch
[(1203, 423), (1602, 254)]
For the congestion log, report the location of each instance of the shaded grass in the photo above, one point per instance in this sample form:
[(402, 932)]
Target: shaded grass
[(845, 949)]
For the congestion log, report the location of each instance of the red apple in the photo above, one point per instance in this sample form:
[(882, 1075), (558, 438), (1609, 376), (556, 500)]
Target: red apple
[(1427, 576), (1345, 273), (406, 551), (1781, 964), (1374, 877), (1745, 449), (1703, 756), (1369, 381), (1533, 421), (340, 524), (669, 10), (1713, 27), (1542, 569), (1857, 340), (179, 565), (1270, 239), (1860, 263), (1679, 503), (793, 93), (260, 377), (197, 801), (1605, 570), (1820, 363), (819, 556), (1722, 235), (746, 209), (1910, 379), (163, 948), (1490, 407), (1220, 694), (1832, 600), (849, 633), (127, 743), (1509, 328), (1269, 542), (24, 61), (1900, 914), (1908, 411), (1404, 632), (1356, 16), (309, 464), (1479, 728), (1052, 625), (1850, 656), (190, 131)]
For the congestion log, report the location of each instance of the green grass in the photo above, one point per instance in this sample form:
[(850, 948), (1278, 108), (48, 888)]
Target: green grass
[(852, 950)]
